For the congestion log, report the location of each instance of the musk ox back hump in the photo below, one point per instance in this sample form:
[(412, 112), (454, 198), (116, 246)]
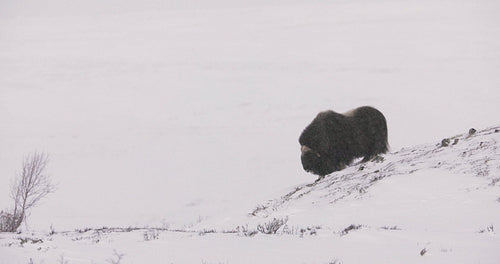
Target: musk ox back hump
[(332, 140)]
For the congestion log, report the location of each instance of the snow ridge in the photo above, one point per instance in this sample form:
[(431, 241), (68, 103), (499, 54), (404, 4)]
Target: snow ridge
[(476, 153)]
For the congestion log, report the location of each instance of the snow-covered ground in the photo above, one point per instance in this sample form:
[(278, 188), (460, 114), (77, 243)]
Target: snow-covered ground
[(431, 203), (187, 114)]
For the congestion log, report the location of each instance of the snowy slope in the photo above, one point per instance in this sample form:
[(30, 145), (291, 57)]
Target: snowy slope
[(430, 203), (426, 187), (437, 168)]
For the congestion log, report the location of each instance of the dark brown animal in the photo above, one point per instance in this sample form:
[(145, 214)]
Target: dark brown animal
[(332, 140)]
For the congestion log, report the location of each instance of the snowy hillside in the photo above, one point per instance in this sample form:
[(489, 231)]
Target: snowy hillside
[(437, 203), (425, 171)]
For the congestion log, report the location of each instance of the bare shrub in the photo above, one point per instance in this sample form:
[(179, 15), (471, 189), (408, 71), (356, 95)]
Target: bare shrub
[(488, 229), (207, 231), (7, 222), (300, 231), (311, 231), (349, 229), (84, 230), (151, 234), (244, 230), (258, 209), (273, 226), (390, 228), (30, 186), (293, 230), (52, 230)]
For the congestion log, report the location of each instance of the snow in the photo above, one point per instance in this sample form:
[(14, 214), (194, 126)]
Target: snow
[(186, 115)]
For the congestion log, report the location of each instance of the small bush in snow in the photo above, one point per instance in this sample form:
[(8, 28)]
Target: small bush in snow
[(151, 234), (349, 229), (25, 240), (493, 181), (390, 228), (273, 226), (295, 230), (84, 230), (207, 231), (489, 229), (165, 225), (52, 230), (243, 230), (258, 209), (308, 231), (8, 221)]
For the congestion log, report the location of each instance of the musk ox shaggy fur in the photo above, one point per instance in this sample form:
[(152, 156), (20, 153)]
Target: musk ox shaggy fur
[(332, 140)]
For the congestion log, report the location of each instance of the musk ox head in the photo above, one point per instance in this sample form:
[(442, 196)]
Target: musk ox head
[(311, 160), (317, 163), (332, 140)]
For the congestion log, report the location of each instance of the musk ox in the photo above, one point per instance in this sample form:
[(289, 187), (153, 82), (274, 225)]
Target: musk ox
[(332, 140)]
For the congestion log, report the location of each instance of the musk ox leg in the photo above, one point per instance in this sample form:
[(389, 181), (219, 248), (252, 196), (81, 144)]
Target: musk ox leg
[(374, 158), (373, 153), (341, 166), (367, 158), (338, 167)]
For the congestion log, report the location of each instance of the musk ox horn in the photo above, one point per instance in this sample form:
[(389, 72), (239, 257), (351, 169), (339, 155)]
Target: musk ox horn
[(305, 149)]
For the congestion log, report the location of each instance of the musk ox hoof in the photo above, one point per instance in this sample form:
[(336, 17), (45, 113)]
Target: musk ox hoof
[(378, 159), (332, 140)]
